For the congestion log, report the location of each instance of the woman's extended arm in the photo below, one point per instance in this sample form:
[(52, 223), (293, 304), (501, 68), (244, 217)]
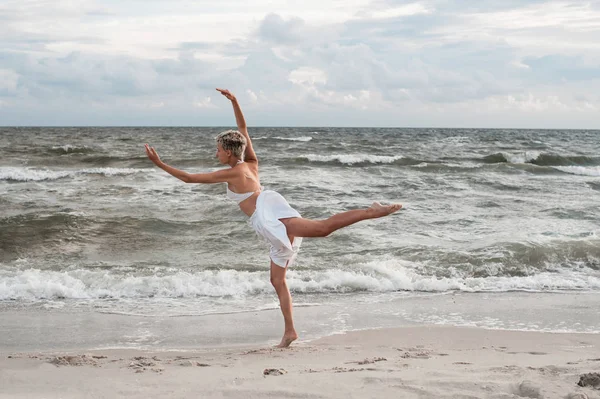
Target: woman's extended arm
[(219, 176), (249, 154)]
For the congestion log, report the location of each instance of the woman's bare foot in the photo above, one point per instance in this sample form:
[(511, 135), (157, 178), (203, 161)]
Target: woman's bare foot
[(377, 210), (287, 339)]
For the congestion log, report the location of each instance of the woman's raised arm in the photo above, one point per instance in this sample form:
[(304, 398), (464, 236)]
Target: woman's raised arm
[(249, 154)]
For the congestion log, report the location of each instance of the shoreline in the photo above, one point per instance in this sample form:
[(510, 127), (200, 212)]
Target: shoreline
[(408, 362), (26, 329)]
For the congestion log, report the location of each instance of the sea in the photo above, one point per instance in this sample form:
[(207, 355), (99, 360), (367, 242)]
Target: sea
[(500, 229)]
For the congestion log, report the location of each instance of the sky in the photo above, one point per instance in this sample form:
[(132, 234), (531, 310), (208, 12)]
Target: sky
[(387, 63)]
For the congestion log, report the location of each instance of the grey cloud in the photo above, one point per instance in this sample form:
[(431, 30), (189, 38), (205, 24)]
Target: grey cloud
[(84, 76), (275, 29), (401, 58), (100, 13), (194, 46), (433, 72), (557, 67), (264, 71), (233, 48), (12, 39), (461, 6)]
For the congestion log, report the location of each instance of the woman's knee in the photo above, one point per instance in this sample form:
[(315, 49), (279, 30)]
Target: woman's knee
[(277, 281), (277, 275)]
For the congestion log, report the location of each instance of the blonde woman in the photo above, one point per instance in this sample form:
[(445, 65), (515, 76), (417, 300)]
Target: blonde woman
[(270, 214)]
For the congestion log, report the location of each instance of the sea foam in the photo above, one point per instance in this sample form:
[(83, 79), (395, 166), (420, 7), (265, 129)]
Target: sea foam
[(350, 159), (35, 284), (580, 170), (32, 174)]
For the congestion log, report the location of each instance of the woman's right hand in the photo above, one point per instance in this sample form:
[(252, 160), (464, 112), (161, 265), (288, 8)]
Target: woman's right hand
[(227, 94)]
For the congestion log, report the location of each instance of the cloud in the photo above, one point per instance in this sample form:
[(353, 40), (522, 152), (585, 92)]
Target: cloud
[(160, 104), (562, 68), (400, 11), (307, 76), (204, 103), (276, 30), (8, 82), (253, 97), (308, 62)]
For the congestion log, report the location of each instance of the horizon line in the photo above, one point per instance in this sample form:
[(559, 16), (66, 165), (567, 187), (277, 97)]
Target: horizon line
[(296, 126)]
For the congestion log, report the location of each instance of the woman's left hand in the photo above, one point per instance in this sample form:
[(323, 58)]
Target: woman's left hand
[(227, 94), (153, 155)]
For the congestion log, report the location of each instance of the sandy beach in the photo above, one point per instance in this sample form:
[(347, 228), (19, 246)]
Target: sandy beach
[(409, 362)]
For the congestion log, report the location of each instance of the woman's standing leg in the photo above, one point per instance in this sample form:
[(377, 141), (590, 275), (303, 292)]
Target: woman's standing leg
[(285, 302)]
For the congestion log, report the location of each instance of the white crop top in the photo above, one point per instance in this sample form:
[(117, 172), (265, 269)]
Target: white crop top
[(239, 197)]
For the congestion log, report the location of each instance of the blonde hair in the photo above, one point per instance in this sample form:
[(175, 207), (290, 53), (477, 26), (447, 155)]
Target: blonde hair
[(234, 141)]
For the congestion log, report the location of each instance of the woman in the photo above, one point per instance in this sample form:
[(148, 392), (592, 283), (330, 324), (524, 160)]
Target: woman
[(270, 214)]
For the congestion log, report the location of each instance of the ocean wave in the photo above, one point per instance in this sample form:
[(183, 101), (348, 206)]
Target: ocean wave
[(123, 162), (579, 170), (540, 159), (299, 138), (46, 234), (520, 259), (37, 220), (446, 167), (106, 160), (356, 159), (17, 174), (36, 284), (71, 149)]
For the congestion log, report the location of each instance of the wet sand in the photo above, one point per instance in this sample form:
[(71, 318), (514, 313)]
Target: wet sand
[(408, 362)]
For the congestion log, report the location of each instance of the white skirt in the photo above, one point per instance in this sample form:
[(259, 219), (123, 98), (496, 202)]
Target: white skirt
[(270, 207)]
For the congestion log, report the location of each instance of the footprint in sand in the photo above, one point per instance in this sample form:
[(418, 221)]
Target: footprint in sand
[(415, 353), (590, 379), (369, 361), (267, 372), (527, 389), (78, 360)]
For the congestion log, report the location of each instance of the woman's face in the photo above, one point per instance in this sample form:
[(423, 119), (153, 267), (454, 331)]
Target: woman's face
[(222, 155)]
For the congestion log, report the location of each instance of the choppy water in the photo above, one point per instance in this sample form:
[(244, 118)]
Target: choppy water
[(87, 220)]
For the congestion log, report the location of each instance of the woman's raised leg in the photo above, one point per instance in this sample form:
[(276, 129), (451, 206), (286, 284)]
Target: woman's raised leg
[(301, 227)]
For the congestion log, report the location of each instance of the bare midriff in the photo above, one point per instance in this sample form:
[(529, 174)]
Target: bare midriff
[(248, 206)]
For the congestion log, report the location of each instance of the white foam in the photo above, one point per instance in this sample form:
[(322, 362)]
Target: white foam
[(350, 159), (33, 174), (387, 276), (110, 171), (465, 165), (580, 170), (458, 141), (34, 284), (29, 174), (71, 148), (391, 276), (300, 138), (523, 157)]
